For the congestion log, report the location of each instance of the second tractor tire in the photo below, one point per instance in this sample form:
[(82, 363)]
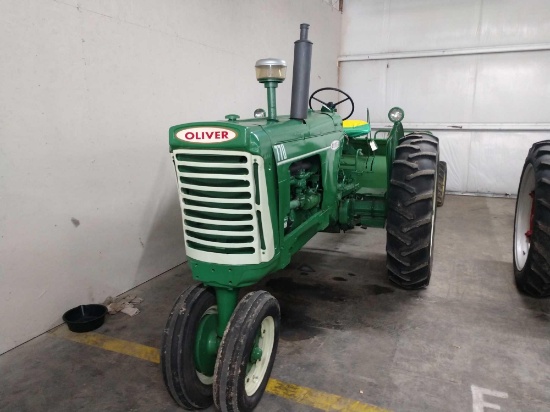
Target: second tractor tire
[(531, 252), (412, 197)]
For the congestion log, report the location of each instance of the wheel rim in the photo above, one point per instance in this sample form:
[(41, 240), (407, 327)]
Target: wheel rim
[(524, 211), (206, 345), (257, 367), (434, 208)]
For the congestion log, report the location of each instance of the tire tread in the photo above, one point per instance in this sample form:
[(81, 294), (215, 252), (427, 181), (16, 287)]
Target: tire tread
[(226, 389), (173, 372), (411, 197), (534, 278)]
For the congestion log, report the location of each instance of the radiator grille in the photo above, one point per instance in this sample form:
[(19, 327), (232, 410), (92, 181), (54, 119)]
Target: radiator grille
[(224, 203)]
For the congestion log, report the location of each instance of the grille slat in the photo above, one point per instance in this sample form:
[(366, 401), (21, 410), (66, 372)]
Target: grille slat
[(216, 176), (218, 244), (207, 188), (215, 222), (216, 210), (212, 165), (219, 200), (218, 232), (220, 196)]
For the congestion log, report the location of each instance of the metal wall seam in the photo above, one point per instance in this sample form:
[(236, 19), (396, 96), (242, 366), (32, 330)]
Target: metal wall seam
[(457, 127), (446, 52)]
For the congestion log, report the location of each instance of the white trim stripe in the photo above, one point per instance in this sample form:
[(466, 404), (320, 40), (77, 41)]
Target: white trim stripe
[(293, 159)]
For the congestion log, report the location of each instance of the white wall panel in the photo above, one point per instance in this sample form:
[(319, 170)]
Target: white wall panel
[(492, 88), (433, 91), (89, 90), (367, 86), (512, 88), (474, 91), (380, 26), (506, 22), (496, 160), (455, 150)]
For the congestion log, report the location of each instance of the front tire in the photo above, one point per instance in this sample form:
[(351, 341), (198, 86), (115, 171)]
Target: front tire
[(412, 198), (247, 353), (190, 388), (531, 248)]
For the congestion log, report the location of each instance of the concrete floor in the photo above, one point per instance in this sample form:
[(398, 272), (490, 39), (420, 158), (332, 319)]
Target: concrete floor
[(345, 330)]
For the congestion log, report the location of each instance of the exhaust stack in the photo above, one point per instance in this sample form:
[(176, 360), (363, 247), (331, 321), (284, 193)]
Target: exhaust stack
[(301, 74)]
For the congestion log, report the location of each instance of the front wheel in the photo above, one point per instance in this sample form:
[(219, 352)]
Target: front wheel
[(531, 248), (412, 198), (189, 348), (247, 353)]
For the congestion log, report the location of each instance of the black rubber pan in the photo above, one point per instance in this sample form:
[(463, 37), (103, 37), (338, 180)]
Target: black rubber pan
[(85, 318)]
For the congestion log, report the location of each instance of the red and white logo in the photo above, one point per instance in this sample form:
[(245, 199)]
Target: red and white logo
[(206, 135)]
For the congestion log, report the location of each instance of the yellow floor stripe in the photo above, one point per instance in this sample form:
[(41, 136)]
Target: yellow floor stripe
[(299, 394), (320, 400), (125, 347)]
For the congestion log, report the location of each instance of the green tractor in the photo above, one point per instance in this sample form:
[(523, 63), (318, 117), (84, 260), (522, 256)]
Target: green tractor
[(253, 192)]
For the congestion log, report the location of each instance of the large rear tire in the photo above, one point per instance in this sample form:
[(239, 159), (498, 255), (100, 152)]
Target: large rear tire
[(412, 198), (531, 248)]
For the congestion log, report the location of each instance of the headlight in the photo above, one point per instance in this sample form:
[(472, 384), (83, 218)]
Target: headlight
[(396, 114)]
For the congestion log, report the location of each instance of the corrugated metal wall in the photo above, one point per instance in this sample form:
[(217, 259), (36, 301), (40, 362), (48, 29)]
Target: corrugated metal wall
[(474, 71)]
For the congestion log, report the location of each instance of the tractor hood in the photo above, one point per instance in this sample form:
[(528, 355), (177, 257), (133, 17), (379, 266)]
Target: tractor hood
[(251, 135), (223, 135)]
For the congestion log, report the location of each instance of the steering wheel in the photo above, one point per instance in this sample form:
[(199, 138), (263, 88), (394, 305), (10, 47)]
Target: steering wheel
[(331, 105)]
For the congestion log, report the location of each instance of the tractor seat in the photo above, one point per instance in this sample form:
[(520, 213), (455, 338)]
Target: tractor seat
[(356, 128)]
